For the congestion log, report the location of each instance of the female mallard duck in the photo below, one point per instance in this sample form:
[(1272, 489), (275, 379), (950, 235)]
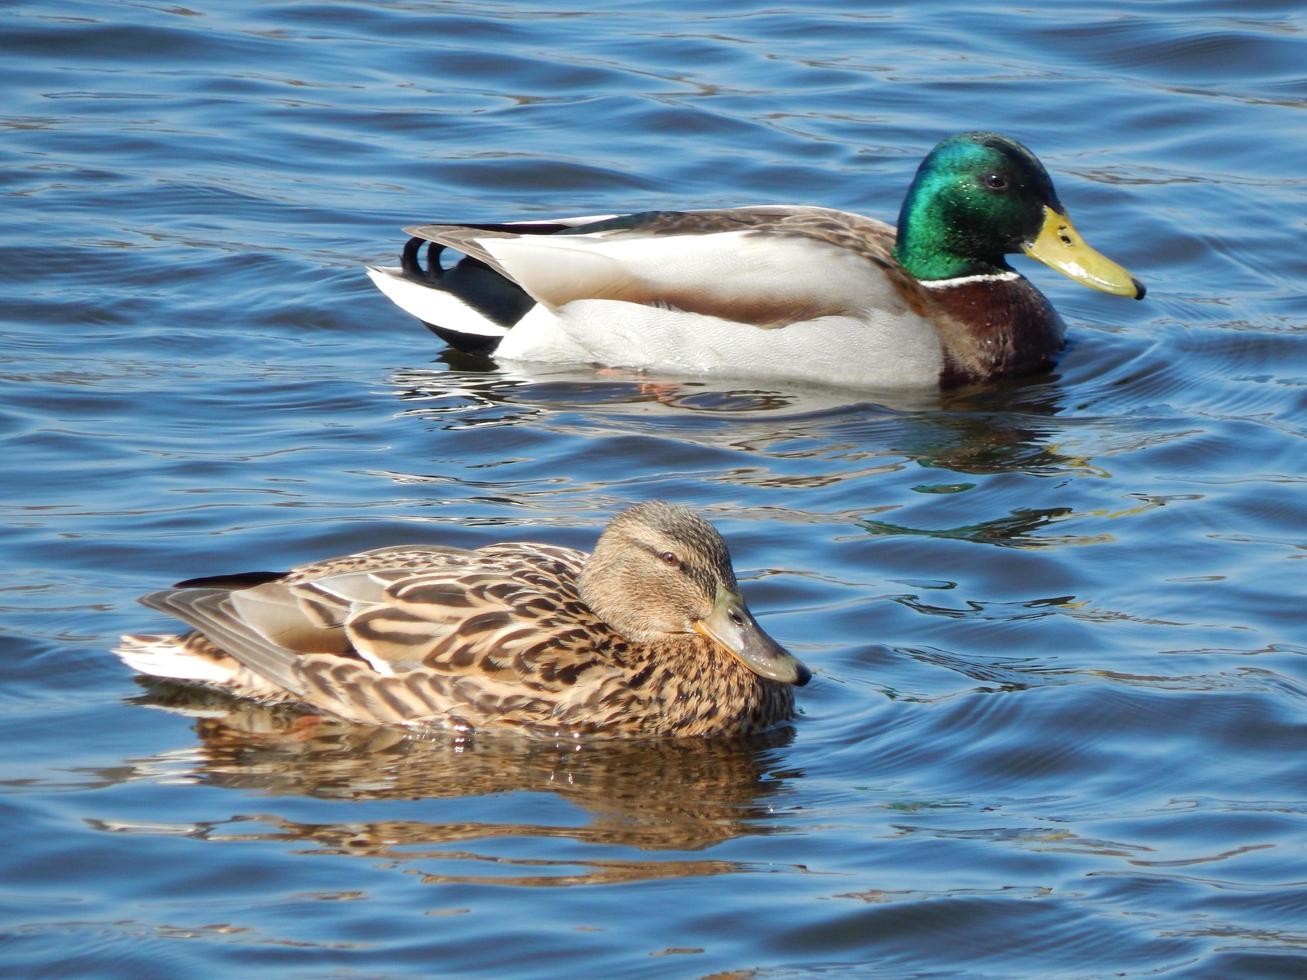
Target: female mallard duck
[(648, 636), (776, 291)]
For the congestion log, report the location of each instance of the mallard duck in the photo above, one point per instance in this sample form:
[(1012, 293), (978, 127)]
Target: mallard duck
[(647, 636), (779, 291)]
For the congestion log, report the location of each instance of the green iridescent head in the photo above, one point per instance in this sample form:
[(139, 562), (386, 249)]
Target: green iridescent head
[(980, 196)]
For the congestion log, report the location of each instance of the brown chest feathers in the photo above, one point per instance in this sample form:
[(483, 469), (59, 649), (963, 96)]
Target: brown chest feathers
[(993, 328), (684, 687)]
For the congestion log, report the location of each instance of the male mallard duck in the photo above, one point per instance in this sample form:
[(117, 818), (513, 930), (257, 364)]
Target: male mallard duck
[(775, 291), (647, 636)]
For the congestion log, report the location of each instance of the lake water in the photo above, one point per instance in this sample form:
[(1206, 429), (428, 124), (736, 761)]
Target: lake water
[(1058, 725)]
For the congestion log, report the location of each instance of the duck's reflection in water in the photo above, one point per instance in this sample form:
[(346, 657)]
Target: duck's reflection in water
[(656, 795), (540, 389), (973, 430)]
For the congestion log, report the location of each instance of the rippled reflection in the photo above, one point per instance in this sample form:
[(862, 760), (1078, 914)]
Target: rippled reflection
[(978, 431), (682, 795), (542, 389), (1058, 726), (798, 438)]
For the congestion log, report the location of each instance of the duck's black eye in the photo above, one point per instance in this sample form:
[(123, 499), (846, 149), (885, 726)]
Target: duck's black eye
[(667, 558), (995, 182)]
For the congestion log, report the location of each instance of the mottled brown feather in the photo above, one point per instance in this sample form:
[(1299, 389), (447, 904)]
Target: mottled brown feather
[(499, 638)]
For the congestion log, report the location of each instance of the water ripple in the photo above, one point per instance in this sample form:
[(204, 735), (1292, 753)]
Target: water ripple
[(1056, 722)]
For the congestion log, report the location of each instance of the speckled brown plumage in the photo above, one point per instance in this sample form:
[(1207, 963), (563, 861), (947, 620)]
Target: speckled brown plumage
[(503, 637)]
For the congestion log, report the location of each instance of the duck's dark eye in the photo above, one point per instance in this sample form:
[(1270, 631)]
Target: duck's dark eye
[(667, 558), (995, 182)]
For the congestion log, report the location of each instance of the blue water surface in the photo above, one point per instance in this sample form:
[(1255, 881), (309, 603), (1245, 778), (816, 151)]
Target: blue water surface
[(1059, 720)]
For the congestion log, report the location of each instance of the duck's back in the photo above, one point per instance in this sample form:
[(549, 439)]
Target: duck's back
[(764, 291), (497, 637)]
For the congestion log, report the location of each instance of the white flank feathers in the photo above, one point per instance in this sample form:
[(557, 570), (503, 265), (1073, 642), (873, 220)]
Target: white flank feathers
[(901, 351)]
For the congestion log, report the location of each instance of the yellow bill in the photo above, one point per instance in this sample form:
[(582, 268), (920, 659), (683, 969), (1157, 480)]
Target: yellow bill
[(1060, 246)]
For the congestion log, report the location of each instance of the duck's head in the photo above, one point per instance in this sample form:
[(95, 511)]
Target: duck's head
[(660, 571), (980, 196)]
